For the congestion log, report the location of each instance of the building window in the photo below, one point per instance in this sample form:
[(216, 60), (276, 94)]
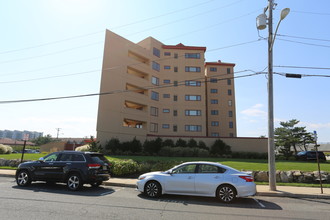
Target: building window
[(175, 69), (175, 83), (215, 123), (153, 111), (176, 56), (228, 82), (193, 55), (166, 96), (175, 98), (230, 103), (193, 112), (230, 113), (166, 110), (213, 80), (214, 101), (167, 53), (166, 126), (213, 69), (229, 91), (155, 66), (175, 112), (214, 112), (193, 83), (154, 95), (156, 52), (167, 81), (214, 90), (155, 81), (192, 69), (167, 67), (153, 127), (193, 128), (215, 134), (228, 70), (175, 128), (192, 97), (231, 124)]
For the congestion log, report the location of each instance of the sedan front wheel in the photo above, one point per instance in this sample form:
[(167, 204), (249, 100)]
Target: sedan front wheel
[(152, 189)]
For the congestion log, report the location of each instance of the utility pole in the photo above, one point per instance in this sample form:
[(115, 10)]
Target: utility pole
[(271, 145), (261, 24), (58, 131)]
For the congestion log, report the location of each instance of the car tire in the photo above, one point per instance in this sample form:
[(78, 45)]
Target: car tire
[(152, 189), (74, 182), (96, 184), (226, 193), (23, 178)]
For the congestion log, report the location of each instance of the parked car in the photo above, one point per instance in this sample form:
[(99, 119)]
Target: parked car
[(71, 167), (198, 179), (310, 155)]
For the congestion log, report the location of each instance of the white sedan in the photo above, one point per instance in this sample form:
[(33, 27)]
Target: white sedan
[(198, 179)]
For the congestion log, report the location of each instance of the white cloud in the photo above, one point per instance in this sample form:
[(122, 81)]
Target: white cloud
[(255, 111)]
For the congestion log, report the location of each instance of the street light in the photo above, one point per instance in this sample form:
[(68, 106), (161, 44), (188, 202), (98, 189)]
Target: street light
[(261, 24)]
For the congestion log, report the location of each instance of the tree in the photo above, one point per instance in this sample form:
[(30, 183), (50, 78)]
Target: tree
[(43, 140), (94, 146), (289, 135), (220, 148)]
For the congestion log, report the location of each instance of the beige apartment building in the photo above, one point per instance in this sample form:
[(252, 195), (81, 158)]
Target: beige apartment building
[(150, 89)]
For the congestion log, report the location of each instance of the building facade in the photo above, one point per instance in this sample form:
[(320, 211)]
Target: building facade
[(152, 89), (20, 135)]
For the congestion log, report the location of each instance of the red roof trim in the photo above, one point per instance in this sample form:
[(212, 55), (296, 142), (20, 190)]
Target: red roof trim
[(183, 47), (219, 64), (179, 136)]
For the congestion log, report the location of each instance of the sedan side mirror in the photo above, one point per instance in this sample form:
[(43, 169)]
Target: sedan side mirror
[(41, 159)]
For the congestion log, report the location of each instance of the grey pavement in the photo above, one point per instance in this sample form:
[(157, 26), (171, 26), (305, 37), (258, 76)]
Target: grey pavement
[(262, 190)]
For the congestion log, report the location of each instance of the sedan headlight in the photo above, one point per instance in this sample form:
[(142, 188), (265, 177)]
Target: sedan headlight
[(141, 177)]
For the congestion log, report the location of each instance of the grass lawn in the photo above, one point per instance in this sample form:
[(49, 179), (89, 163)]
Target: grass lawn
[(239, 164)]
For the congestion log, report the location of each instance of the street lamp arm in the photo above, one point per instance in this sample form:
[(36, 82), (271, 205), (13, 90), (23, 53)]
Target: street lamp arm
[(278, 24)]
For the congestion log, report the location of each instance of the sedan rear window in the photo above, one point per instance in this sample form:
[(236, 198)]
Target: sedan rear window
[(205, 168)]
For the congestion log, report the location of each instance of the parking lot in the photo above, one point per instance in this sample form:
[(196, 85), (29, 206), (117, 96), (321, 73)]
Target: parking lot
[(42, 201)]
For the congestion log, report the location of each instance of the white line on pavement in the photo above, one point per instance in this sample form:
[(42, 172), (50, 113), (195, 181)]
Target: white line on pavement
[(257, 201)]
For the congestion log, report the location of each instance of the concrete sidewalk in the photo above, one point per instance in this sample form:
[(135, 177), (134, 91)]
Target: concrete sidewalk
[(262, 190)]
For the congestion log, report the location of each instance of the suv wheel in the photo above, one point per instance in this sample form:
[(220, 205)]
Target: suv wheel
[(23, 178), (74, 182)]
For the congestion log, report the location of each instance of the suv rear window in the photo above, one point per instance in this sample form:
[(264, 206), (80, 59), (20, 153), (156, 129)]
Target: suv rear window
[(97, 158)]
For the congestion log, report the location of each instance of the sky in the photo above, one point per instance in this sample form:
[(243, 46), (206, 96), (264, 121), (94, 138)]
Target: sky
[(54, 48)]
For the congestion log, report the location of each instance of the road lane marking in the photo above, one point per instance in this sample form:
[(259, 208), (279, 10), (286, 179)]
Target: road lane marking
[(257, 201)]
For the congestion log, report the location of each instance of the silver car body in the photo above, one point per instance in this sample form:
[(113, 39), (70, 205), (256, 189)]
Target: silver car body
[(198, 183)]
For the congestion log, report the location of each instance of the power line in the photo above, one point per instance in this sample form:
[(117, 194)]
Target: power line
[(98, 32), (305, 67), (309, 12), (119, 66), (50, 67), (49, 54), (318, 45), (305, 38), (302, 75), (110, 92)]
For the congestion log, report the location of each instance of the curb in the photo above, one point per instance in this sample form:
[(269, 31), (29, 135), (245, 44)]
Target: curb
[(289, 195), (106, 183)]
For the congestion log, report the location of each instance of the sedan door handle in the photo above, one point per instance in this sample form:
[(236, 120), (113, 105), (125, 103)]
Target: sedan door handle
[(190, 177), (216, 177)]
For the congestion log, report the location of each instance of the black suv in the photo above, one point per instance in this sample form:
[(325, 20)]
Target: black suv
[(310, 155), (71, 167)]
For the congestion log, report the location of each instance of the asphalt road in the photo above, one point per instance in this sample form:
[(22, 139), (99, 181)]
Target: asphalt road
[(42, 201)]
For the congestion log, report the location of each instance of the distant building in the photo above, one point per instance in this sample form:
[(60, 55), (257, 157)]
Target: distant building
[(19, 135)]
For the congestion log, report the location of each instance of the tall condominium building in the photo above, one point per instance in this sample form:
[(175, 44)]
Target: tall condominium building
[(152, 89)]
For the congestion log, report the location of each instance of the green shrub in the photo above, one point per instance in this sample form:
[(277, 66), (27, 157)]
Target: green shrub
[(152, 147), (181, 143), (168, 143), (124, 167), (5, 149), (112, 146), (202, 153)]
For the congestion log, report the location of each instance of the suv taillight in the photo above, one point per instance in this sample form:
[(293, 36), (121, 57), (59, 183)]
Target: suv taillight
[(247, 178), (94, 165)]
